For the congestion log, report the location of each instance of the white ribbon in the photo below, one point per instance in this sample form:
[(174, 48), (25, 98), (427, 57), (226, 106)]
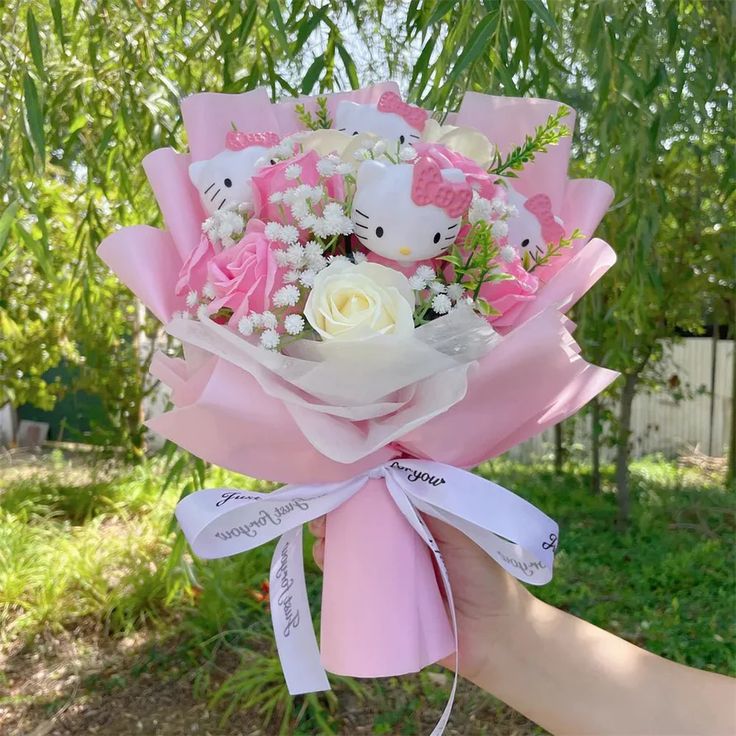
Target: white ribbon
[(220, 522)]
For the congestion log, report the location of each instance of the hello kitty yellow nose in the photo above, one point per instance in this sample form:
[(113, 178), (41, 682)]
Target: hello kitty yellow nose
[(405, 251)]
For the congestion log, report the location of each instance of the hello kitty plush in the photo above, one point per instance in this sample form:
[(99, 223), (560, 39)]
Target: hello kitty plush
[(224, 181), (409, 212), (391, 118), (534, 226)]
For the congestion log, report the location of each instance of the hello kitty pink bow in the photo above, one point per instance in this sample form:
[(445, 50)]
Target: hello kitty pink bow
[(540, 206), (428, 187), (391, 102), (236, 140)]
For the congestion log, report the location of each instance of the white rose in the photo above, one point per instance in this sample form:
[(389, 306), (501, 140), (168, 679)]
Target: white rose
[(468, 142), (357, 301)]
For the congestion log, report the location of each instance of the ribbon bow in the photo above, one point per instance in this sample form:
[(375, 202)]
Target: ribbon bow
[(236, 140), (220, 522), (428, 187), (414, 116), (540, 206)]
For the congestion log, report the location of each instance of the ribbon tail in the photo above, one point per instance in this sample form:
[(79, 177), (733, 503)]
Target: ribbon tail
[(406, 507), (517, 535), (292, 622)]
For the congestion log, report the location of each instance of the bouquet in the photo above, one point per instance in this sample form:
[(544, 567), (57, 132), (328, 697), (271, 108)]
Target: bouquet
[(369, 300)]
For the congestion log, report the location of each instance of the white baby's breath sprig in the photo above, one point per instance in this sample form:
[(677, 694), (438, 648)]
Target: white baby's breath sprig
[(327, 166), (426, 272), (192, 298), (499, 229), (456, 292), (508, 253), (293, 171), (208, 291), (480, 209), (307, 278), (441, 304), (270, 339), (269, 320), (245, 326), (407, 153), (417, 283), (287, 296), (437, 287), (294, 324)]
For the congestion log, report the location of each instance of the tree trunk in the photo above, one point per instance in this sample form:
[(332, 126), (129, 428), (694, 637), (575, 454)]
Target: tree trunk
[(731, 476), (595, 446), (559, 449), (623, 446), (712, 408)]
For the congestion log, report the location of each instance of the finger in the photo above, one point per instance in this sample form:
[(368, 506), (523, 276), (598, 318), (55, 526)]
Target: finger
[(317, 526), (318, 552)]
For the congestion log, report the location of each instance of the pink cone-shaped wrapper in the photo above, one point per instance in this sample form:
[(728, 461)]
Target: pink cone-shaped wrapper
[(382, 612)]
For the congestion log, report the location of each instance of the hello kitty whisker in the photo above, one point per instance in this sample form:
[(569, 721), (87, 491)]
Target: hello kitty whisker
[(412, 135), (451, 237), (357, 224), (209, 187), (212, 199), (224, 199), (358, 212), (450, 227)]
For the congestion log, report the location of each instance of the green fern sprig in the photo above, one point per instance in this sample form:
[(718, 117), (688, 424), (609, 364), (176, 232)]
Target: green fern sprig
[(549, 134)]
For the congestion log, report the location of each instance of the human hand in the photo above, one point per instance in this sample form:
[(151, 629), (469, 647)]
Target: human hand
[(488, 601)]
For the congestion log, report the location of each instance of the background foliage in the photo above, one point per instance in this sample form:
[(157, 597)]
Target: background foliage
[(91, 87)]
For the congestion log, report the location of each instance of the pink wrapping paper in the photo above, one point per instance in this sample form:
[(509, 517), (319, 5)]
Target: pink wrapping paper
[(382, 612), (361, 570)]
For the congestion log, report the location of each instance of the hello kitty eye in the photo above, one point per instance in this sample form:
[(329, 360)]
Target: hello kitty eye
[(355, 132), (401, 140), (379, 232), (228, 182), (525, 242), (437, 237)]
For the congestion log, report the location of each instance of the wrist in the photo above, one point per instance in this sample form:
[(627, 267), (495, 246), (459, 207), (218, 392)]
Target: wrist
[(510, 641)]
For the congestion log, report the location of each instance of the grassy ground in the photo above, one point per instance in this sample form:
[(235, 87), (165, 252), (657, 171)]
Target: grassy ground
[(107, 625)]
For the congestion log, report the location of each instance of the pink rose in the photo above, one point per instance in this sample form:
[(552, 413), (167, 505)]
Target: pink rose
[(245, 275), (272, 179), (193, 273), (475, 174), (509, 295)]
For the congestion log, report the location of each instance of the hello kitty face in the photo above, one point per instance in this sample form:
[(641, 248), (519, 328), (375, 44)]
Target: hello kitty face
[(534, 227), (407, 212), (224, 181), (391, 119)]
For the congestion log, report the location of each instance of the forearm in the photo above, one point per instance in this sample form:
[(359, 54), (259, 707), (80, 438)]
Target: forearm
[(573, 678)]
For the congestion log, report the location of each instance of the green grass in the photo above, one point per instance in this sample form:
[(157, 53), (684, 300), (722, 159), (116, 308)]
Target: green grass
[(97, 548)]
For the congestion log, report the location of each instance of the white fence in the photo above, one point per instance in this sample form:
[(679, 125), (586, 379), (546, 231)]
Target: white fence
[(660, 424)]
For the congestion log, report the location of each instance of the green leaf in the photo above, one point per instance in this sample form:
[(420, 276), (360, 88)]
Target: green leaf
[(280, 29), (540, 9), (349, 65), (58, 23), (34, 41), (475, 46), (37, 250), (306, 28), (310, 78), (34, 115), (6, 221)]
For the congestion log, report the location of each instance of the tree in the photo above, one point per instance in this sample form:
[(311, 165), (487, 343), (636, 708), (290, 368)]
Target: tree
[(92, 87)]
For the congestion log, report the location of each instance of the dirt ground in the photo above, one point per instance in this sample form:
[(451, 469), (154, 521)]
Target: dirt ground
[(83, 683)]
